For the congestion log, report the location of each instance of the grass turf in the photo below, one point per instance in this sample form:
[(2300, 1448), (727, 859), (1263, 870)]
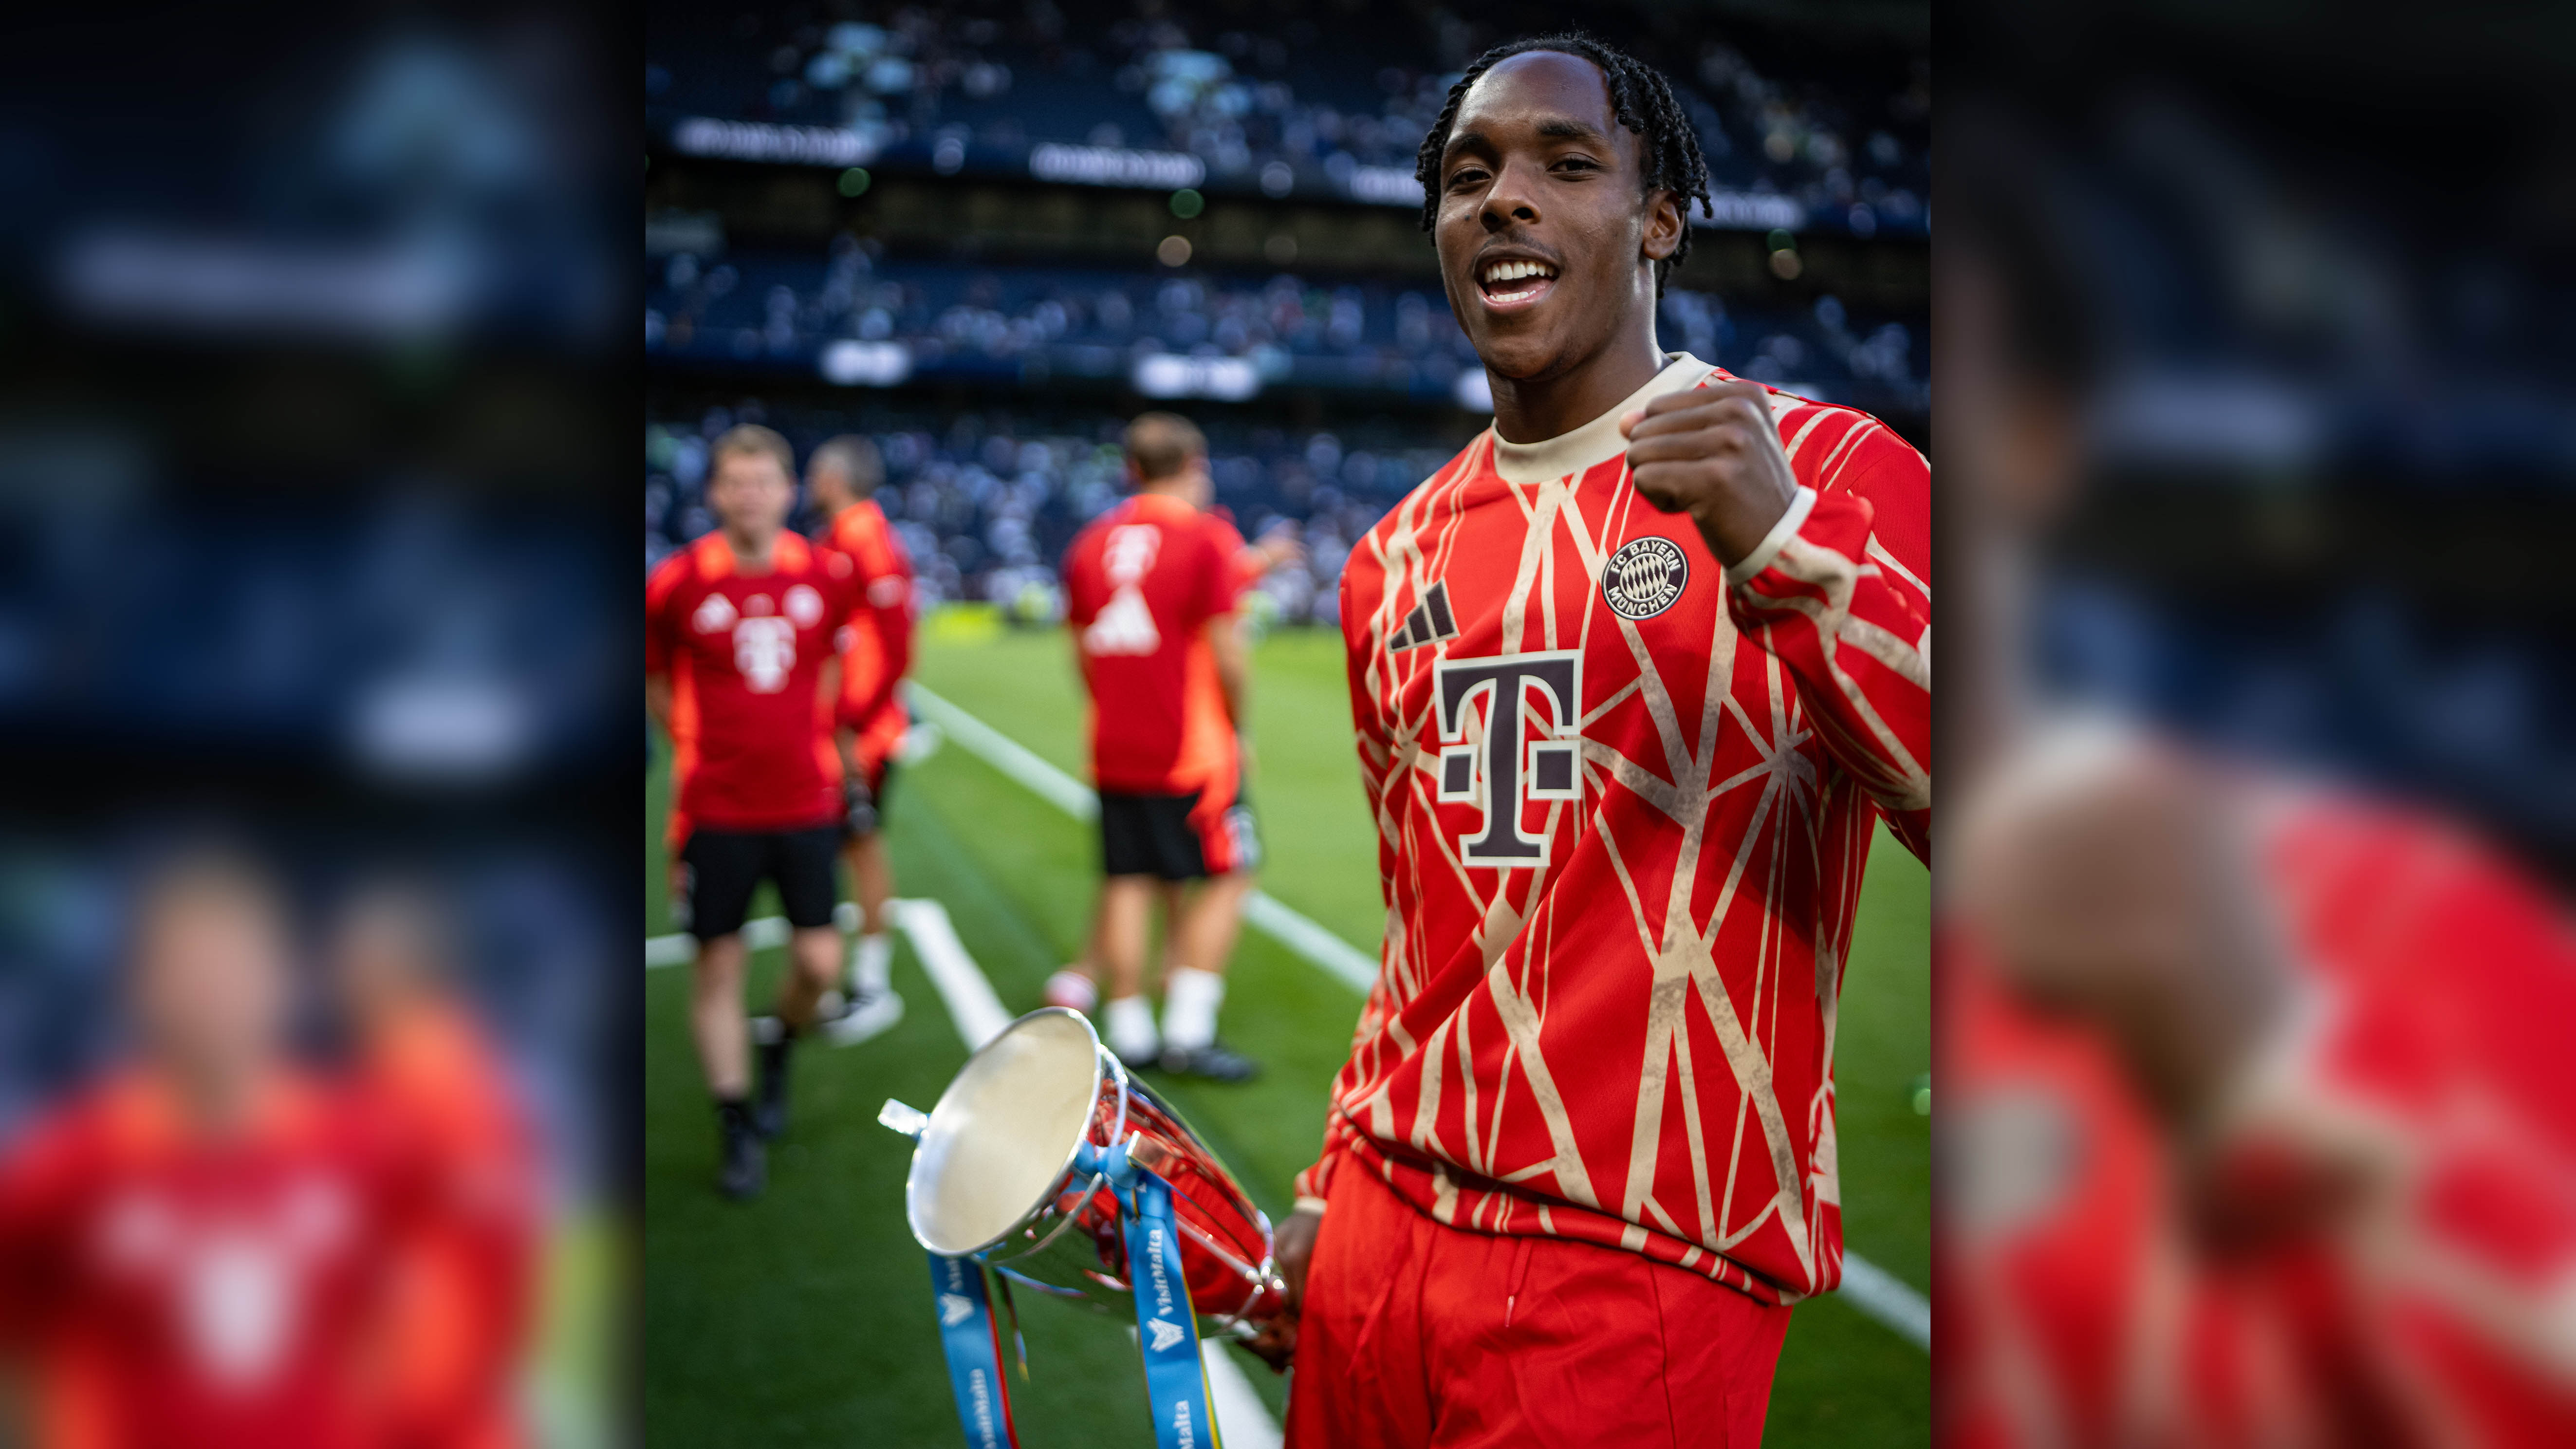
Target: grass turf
[(805, 1318)]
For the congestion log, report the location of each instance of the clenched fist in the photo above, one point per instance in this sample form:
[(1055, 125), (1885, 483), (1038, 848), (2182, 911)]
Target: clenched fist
[(1713, 452)]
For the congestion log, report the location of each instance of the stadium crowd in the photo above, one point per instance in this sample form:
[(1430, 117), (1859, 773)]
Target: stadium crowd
[(1274, 103), (1036, 321)]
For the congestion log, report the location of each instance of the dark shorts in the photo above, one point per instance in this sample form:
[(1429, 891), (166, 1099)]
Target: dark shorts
[(1171, 837), (879, 778), (721, 868)]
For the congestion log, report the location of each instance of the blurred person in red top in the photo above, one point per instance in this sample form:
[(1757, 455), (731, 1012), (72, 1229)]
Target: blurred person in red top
[(2258, 1124), (841, 479), (463, 1279), (1635, 680), (193, 1250), (739, 670), (1150, 591), (1279, 547), (2319, 1154)]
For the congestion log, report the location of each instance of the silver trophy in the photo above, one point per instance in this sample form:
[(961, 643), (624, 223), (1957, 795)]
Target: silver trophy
[(999, 1174)]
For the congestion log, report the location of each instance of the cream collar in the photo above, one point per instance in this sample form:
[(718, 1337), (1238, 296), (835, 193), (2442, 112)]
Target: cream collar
[(1597, 441)]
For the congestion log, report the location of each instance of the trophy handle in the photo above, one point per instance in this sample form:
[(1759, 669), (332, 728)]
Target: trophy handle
[(908, 1120)]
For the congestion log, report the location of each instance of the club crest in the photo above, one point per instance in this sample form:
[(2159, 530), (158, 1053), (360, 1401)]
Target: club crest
[(1644, 578)]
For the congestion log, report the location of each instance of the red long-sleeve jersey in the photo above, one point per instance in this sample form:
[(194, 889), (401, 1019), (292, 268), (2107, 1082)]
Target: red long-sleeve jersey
[(1624, 798)]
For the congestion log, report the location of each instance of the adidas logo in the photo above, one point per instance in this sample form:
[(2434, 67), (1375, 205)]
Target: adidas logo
[(954, 1309), (1125, 626), (1429, 623), (1165, 1334)]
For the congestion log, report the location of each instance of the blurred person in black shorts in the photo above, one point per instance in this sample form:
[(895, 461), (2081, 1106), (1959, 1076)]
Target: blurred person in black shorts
[(1151, 589), (740, 670)]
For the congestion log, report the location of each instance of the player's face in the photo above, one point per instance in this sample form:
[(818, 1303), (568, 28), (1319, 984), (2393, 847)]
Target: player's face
[(750, 493), (210, 983), (1542, 235)]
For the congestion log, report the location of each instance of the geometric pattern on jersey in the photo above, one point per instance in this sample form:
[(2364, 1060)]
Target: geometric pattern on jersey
[(1621, 857)]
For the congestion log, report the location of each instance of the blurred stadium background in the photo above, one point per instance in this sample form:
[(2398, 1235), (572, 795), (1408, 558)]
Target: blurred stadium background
[(988, 234), (2260, 423), (304, 365)]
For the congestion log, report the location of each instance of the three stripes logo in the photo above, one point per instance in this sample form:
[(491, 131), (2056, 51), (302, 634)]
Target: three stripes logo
[(1429, 623)]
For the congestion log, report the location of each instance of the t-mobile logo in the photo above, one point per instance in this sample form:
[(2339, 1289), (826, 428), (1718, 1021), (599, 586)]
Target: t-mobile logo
[(1509, 772)]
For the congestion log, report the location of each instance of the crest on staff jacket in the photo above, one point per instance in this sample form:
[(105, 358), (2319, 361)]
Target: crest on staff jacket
[(1644, 578)]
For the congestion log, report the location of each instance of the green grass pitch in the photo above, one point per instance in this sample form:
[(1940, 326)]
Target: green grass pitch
[(805, 1318)]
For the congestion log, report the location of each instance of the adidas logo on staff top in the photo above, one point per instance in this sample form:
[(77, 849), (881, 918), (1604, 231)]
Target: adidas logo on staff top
[(1126, 622), (1429, 623)]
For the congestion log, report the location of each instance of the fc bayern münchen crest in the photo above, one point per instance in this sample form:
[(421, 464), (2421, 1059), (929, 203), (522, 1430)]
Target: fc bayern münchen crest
[(1644, 578)]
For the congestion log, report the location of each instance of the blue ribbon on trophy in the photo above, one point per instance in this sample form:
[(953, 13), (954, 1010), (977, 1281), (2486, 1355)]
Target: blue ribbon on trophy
[(973, 1343), (1046, 1166), (1167, 1327)]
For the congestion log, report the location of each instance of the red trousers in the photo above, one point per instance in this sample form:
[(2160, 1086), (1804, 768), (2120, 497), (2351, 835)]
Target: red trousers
[(1413, 1334)]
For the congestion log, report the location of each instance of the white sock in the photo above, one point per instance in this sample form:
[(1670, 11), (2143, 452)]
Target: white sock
[(871, 964), (1070, 988), (1190, 1000), (1131, 1028)]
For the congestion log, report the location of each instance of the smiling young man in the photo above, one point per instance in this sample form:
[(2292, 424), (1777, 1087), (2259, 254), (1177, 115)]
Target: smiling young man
[(1635, 677)]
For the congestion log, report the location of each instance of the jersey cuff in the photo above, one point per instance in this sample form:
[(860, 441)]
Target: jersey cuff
[(1313, 1205), (1800, 505)]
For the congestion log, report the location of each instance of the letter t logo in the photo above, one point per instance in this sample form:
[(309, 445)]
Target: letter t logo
[(1498, 782)]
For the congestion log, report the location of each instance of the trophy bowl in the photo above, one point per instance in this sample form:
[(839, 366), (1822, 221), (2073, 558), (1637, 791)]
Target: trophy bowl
[(998, 1174)]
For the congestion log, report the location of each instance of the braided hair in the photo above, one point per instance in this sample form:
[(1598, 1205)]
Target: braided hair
[(1640, 100)]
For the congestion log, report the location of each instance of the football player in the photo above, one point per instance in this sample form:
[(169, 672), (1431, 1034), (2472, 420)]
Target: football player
[(1636, 679), (1150, 591), (739, 670)]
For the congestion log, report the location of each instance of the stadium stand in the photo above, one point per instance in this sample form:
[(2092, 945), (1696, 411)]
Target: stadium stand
[(990, 232), (1034, 323), (1276, 103)]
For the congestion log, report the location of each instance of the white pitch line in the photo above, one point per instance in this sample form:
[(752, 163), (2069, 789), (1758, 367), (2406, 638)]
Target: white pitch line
[(961, 983), (1883, 1296), (1242, 1420), (1866, 1286), (1263, 912), (1007, 755), (1356, 968)]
